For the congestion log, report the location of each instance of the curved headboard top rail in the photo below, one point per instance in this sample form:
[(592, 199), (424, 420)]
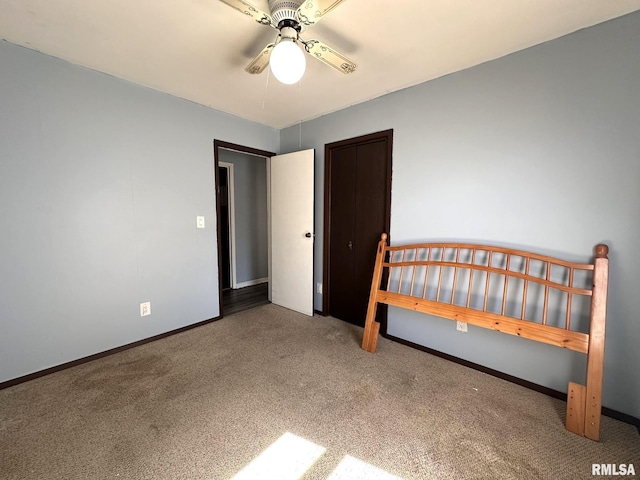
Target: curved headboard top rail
[(521, 293), (507, 253), (601, 251)]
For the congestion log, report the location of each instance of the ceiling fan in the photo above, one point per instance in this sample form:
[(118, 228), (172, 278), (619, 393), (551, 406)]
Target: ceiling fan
[(291, 18)]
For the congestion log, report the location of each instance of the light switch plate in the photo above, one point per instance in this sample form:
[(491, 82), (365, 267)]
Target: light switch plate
[(145, 309), (200, 222)]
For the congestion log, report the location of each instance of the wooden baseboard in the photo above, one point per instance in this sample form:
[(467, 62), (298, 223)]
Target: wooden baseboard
[(623, 417), (95, 356)]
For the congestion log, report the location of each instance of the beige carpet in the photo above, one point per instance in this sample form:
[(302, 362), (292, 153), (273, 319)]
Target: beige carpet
[(204, 403)]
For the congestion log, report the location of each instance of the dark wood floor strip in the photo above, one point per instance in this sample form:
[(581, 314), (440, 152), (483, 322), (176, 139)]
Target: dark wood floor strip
[(234, 301)]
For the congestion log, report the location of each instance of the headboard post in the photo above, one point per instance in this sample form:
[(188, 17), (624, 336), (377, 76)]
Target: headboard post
[(371, 327), (595, 361)]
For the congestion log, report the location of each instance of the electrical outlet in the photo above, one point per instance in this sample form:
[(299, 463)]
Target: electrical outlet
[(461, 326), (319, 288), (200, 222), (145, 309)]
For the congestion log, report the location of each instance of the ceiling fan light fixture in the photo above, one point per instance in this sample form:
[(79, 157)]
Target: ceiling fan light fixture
[(287, 61)]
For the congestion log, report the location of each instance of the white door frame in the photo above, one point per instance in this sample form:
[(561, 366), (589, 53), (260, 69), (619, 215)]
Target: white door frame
[(232, 221), (268, 162)]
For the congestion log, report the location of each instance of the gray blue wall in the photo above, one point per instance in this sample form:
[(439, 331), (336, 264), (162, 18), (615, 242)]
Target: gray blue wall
[(100, 185), (250, 204), (539, 150)]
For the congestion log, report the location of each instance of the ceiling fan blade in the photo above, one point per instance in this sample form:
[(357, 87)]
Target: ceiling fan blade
[(259, 63), (328, 55), (313, 10), (248, 9)]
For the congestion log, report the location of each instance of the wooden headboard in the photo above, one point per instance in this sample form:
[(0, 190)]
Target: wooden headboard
[(525, 294)]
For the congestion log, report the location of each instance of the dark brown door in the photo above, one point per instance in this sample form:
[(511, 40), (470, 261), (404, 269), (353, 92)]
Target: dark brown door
[(358, 194)]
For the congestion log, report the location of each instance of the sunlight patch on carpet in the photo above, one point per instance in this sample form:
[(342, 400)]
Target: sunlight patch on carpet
[(351, 468), (288, 458)]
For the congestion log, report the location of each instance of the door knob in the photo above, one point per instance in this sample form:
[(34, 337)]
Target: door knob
[(350, 245), (308, 234)]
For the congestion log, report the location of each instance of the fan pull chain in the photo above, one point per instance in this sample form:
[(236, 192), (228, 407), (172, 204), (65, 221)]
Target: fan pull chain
[(300, 114), (264, 97)]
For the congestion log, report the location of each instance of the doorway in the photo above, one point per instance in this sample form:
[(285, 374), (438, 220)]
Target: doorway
[(242, 272), (357, 210)]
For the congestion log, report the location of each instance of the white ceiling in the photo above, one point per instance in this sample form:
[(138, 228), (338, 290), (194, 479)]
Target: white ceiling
[(197, 49)]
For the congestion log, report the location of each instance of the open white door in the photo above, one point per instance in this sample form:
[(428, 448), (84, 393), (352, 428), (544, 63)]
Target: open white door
[(292, 231)]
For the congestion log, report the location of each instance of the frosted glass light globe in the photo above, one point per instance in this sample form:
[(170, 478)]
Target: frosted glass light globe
[(287, 62)]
